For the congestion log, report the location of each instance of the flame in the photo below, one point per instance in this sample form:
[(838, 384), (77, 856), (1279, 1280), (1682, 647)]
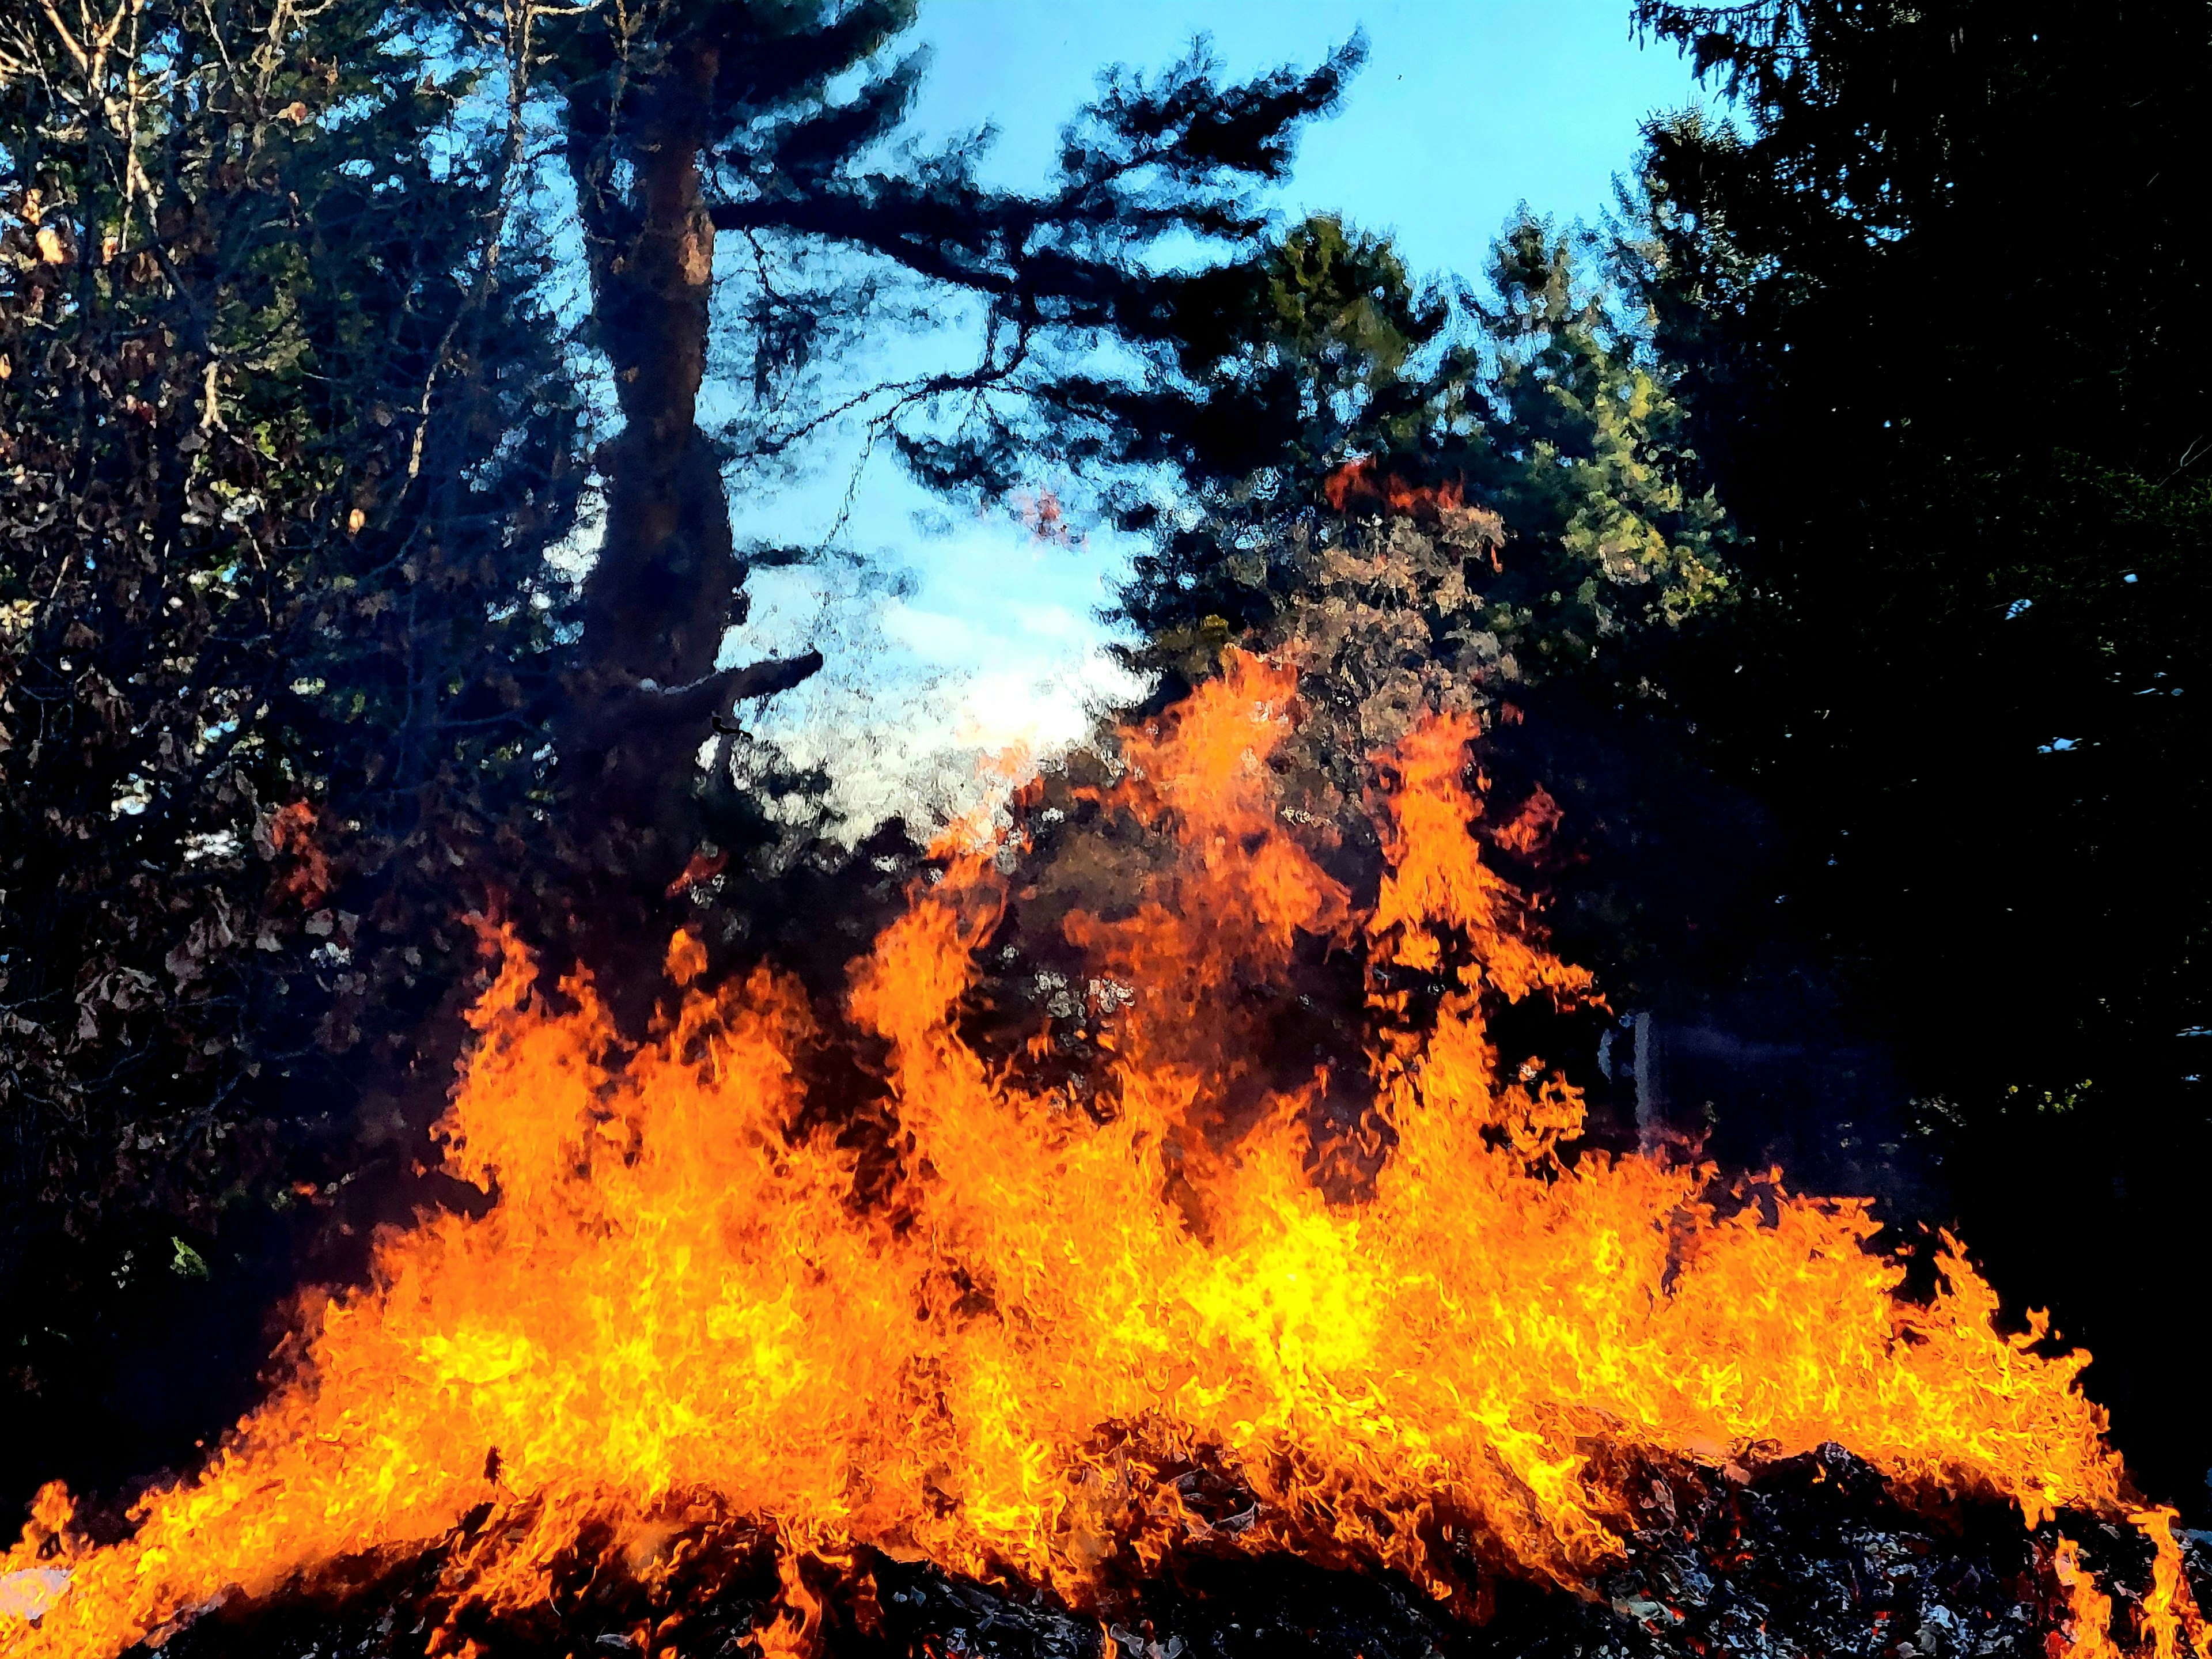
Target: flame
[(1358, 486), (291, 833), (676, 1308)]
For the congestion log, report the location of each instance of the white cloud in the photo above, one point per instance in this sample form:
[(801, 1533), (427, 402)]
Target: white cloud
[(991, 645)]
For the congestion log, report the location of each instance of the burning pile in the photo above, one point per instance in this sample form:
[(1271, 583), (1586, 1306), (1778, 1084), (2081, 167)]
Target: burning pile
[(1070, 1343)]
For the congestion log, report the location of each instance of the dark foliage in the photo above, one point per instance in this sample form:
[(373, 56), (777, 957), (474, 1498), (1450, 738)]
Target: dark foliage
[(284, 435), (1926, 310)]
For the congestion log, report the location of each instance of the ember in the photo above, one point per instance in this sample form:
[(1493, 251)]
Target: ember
[(677, 1352)]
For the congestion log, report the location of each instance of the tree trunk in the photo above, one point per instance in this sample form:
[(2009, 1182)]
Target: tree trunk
[(668, 582)]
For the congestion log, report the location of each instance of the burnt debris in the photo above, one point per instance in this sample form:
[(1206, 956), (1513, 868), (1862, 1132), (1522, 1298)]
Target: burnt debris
[(1810, 1555)]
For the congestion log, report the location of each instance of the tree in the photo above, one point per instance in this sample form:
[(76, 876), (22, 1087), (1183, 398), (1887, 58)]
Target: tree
[(1269, 375), (1561, 536), (689, 121), (1422, 508), (287, 682), (1922, 305), (286, 431), (1309, 384), (1503, 527)]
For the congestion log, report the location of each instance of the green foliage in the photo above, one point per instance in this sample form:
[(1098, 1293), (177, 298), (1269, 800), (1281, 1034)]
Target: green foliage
[(1595, 467), (1521, 471), (1269, 374)]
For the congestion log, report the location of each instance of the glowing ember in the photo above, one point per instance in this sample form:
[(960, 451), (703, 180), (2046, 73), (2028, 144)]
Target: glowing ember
[(676, 1301)]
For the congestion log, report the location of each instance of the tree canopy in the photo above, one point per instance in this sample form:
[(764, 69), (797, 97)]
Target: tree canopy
[(287, 432)]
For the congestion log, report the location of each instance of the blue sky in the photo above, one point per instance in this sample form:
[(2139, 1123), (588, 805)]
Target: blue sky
[(1463, 111)]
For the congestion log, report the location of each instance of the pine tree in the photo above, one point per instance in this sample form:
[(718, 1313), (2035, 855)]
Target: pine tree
[(1489, 512), (1314, 353), (1924, 300), (691, 125), (1516, 474)]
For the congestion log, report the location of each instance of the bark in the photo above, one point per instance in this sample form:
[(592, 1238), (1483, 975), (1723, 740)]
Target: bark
[(668, 581)]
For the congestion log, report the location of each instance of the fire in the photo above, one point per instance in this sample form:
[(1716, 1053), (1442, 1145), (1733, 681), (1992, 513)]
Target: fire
[(676, 1308), (1358, 486)]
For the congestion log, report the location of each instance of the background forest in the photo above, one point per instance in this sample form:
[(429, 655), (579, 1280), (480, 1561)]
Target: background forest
[(1821, 540)]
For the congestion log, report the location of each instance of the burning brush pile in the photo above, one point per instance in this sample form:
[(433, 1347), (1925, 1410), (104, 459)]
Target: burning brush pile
[(998, 1365)]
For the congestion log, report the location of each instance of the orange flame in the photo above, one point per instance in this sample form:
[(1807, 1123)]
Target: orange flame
[(676, 1308), (1357, 486), (290, 832)]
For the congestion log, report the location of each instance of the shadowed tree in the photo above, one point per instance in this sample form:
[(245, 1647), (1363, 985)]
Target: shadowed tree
[(1926, 299), (285, 433)]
